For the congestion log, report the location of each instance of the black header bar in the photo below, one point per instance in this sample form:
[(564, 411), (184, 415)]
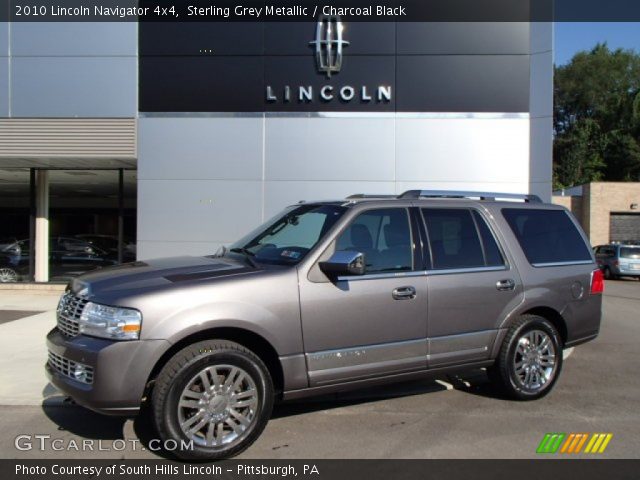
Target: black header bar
[(304, 10)]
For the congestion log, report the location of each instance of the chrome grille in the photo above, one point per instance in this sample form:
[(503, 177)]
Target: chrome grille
[(67, 368), (68, 314)]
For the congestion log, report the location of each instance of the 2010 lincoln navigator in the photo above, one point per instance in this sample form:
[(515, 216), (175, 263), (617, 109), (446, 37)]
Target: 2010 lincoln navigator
[(328, 296)]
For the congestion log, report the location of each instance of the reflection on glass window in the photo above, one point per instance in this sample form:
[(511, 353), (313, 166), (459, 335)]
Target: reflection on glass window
[(384, 237)]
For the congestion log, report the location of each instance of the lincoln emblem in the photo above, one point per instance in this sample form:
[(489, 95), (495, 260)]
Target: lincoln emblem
[(328, 44)]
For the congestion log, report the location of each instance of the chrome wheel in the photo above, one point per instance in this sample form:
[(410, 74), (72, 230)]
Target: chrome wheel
[(535, 360), (218, 406), (8, 275)]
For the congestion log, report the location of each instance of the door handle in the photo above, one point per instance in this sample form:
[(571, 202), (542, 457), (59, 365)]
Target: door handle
[(508, 284), (404, 293)]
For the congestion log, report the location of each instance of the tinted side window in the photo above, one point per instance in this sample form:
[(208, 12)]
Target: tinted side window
[(493, 256), (453, 238), (384, 236), (547, 236)]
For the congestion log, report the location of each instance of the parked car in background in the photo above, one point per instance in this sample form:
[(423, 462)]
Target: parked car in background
[(68, 257), (109, 243), (618, 260), (324, 297)]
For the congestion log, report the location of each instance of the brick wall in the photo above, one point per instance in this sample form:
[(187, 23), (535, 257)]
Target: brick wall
[(599, 199)]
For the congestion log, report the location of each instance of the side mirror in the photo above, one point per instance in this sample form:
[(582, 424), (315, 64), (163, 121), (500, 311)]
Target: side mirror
[(344, 262)]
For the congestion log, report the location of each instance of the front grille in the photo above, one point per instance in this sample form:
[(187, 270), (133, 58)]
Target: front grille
[(76, 371), (68, 314)]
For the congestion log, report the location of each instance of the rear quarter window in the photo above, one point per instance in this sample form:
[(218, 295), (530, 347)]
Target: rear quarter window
[(547, 236)]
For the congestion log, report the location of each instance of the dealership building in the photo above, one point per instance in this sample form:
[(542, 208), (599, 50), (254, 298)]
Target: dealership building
[(176, 138)]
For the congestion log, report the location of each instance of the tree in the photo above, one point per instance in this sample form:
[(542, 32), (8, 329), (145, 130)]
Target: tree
[(597, 117)]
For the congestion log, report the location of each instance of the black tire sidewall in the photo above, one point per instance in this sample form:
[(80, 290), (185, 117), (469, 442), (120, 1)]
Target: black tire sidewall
[(220, 357), (535, 323)]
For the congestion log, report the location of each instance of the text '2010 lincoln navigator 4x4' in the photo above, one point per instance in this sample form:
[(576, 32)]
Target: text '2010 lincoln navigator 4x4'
[(325, 297)]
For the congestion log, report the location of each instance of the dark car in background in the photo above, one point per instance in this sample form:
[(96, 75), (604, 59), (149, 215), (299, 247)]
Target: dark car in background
[(109, 243), (68, 257), (619, 260)]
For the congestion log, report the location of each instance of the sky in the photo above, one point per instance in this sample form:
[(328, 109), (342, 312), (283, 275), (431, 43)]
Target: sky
[(572, 37)]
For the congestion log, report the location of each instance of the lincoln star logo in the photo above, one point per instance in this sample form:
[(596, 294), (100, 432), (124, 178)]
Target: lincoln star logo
[(329, 44)]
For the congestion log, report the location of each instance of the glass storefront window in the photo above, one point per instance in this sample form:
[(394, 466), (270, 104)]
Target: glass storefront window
[(14, 224), (85, 214), (91, 222)]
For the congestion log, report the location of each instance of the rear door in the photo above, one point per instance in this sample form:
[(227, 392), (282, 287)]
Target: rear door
[(471, 285)]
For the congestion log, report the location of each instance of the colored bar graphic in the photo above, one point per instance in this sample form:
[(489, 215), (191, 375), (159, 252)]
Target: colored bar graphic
[(598, 443), (551, 442), (572, 443)]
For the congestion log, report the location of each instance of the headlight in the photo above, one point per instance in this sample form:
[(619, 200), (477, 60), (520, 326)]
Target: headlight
[(110, 322)]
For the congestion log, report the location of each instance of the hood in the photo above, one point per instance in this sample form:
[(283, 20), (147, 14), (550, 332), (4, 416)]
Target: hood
[(137, 277)]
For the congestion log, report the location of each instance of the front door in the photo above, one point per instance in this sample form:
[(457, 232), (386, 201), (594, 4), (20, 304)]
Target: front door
[(374, 324)]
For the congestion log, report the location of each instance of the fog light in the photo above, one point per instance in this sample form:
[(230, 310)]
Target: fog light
[(80, 373)]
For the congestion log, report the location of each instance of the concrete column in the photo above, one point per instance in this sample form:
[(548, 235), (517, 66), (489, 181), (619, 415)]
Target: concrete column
[(42, 226)]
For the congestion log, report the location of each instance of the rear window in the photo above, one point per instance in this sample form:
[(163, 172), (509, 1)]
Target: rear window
[(547, 236), (630, 252)]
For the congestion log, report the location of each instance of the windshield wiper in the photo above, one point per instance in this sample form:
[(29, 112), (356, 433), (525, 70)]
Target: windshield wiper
[(247, 253)]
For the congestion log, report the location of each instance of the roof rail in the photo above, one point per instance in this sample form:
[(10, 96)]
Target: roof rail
[(491, 196), (366, 195)]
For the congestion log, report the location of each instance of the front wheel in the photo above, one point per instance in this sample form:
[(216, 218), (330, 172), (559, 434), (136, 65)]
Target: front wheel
[(213, 398), (530, 359)]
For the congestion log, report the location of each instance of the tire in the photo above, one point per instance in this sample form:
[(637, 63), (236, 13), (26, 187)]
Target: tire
[(608, 275), (226, 420), (8, 275), (525, 373)]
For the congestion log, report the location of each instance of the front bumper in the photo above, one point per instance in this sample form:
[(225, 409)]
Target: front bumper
[(121, 370)]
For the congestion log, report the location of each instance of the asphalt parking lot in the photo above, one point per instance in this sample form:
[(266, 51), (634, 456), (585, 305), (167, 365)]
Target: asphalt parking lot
[(452, 417)]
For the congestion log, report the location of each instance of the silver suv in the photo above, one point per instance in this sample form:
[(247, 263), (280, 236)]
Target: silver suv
[(617, 260), (328, 296)]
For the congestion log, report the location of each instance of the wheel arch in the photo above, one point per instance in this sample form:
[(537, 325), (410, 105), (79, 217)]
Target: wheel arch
[(553, 316), (251, 340)]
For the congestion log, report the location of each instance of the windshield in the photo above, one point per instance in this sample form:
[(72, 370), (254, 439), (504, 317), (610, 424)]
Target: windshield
[(287, 238), (630, 252)]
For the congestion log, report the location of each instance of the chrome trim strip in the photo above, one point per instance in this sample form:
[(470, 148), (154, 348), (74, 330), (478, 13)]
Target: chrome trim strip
[(392, 115), (561, 264), (421, 273), (457, 353), (467, 270), (369, 370), (461, 343), (378, 276), (368, 354), (461, 347)]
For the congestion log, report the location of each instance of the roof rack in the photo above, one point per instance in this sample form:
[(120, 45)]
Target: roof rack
[(365, 195), (490, 196)]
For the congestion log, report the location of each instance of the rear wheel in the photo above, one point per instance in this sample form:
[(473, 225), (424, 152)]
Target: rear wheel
[(217, 396), (530, 359), (608, 274)]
